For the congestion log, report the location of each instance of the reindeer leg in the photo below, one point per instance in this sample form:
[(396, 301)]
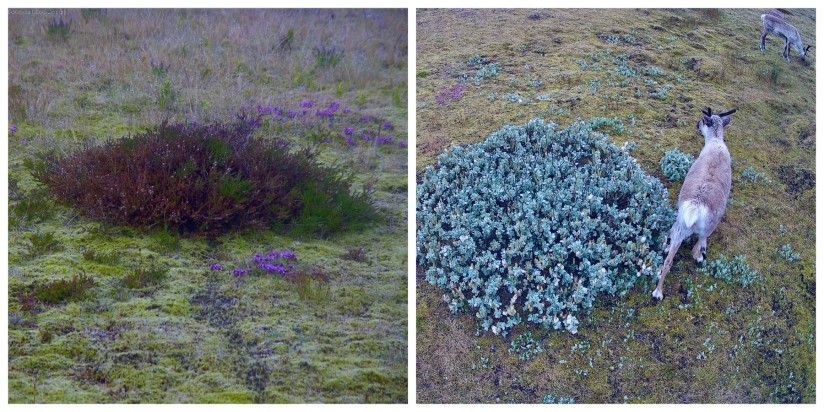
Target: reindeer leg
[(699, 252), (677, 238), (763, 41), (787, 48)]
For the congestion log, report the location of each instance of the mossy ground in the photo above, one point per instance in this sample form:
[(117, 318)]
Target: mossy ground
[(707, 341), (194, 335)]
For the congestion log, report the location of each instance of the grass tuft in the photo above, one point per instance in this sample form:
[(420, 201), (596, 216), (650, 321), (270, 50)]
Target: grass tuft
[(65, 290)]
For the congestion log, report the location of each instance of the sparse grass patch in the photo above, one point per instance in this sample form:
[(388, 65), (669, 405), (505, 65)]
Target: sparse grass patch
[(327, 56), (142, 277), (93, 14), (286, 40), (30, 209), (64, 290), (102, 258), (42, 243), (771, 74), (59, 30), (311, 286), (357, 254)]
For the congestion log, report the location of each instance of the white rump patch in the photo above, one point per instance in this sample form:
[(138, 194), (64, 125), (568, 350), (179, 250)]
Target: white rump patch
[(693, 212)]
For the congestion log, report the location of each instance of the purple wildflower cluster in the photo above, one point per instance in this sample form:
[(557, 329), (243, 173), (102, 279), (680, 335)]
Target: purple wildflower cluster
[(272, 262), (332, 120), (13, 129), (452, 94)]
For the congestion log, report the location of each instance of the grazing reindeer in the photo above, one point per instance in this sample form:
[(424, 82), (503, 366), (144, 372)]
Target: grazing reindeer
[(773, 23), (703, 198)]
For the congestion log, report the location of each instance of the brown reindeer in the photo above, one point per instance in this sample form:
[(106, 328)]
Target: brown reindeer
[(703, 198)]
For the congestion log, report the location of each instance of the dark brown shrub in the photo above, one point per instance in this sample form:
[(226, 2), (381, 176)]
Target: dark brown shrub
[(206, 179)]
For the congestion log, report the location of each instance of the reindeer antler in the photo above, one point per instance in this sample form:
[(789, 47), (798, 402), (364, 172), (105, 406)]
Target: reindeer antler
[(707, 112), (728, 113)]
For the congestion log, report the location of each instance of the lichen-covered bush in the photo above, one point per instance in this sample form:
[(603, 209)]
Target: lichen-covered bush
[(675, 164), (534, 223)]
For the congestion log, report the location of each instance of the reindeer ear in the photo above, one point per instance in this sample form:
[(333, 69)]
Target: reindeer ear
[(725, 122)]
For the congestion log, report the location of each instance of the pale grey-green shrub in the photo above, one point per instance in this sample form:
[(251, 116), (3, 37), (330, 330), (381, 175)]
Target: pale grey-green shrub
[(675, 164), (531, 225)]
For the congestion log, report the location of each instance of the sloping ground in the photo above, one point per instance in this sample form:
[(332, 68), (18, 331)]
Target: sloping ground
[(196, 334), (647, 73)]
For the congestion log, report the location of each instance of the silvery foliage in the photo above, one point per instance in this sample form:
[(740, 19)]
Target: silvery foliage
[(735, 270), (533, 223), (675, 164)]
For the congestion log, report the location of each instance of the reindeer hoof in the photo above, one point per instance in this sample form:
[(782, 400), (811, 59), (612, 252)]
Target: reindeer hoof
[(657, 294)]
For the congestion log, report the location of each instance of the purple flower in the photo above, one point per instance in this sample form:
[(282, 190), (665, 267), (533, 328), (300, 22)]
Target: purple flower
[(272, 268), (13, 129), (307, 104), (346, 130), (288, 255), (215, 266), (381, 140), (388, 126), (330, 111), (366, 118), (347, 110), (401, 143), (350, 141), (453, 94), (292, 113), (238, 272), (258, 259)]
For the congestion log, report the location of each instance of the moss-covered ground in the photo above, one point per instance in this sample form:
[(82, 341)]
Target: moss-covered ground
[(649, 72), (150, 322)]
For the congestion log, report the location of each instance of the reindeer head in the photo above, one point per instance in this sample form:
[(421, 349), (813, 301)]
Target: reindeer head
[(804, 52), (712, 124)]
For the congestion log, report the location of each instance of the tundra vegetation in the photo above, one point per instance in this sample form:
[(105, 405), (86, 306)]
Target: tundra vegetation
[(739, 329), (208, 206)]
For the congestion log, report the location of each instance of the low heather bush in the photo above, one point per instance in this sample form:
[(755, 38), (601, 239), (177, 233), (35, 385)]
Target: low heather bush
[(675, 164), (532, 224), (206, 179)]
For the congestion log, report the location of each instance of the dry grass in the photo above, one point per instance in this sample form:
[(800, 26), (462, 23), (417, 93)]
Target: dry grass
[(219, 60), (640, 350)]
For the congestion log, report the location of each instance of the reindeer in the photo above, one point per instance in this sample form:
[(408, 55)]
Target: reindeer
[(773, 23), (703, 198)]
